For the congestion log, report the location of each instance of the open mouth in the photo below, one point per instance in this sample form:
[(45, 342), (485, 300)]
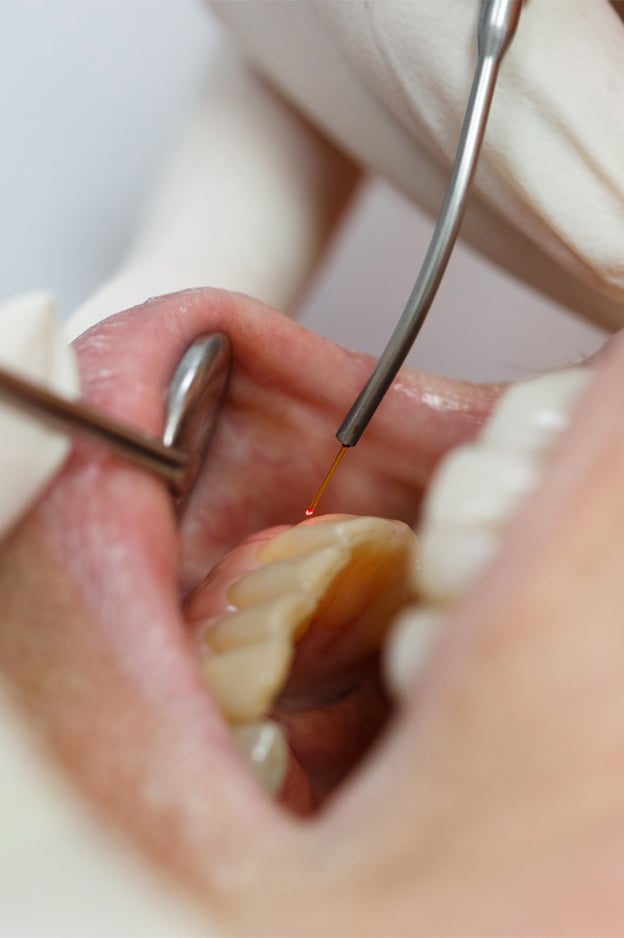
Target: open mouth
[(154, 650), (291, 627)]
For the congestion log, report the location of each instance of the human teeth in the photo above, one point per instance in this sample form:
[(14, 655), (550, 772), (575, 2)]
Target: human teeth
[(362, 578), (264, 745), (245, 680), (376, 580), (409, 646), (474, 491), (284, 617), (531, 414), (470, 500), (326, 532), (451, 558), (314, 572), (477, 485)]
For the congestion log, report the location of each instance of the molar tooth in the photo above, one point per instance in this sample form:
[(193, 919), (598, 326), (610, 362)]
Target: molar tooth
[(451, 559), (244, 681), (265, 746), (285, 617), (314, 572), (408, 648), (476, 485), (352, 531), (531, 414)]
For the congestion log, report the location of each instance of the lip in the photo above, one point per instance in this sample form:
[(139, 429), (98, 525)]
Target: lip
[(131, 675)]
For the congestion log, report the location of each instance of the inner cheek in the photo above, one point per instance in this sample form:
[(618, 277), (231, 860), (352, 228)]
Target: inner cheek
[(256, 475), (330, 729)]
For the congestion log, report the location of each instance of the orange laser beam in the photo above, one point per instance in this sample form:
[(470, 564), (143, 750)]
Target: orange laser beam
[(314, 503)]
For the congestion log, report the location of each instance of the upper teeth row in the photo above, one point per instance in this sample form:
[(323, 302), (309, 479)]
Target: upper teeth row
[(474, 493)]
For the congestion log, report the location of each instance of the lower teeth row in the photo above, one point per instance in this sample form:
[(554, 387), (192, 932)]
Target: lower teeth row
[(331, 573)]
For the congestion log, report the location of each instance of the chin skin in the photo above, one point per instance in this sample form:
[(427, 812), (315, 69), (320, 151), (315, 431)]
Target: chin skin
[(493, 803)]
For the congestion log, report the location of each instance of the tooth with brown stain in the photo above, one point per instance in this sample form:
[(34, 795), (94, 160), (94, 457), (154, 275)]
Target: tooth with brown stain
[(326, 573)]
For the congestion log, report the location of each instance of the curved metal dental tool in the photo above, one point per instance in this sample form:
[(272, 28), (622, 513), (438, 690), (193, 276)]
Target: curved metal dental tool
[(195, 396), (497, 24)]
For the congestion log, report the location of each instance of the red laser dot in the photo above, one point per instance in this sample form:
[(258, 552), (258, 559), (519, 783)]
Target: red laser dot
[(309, 511)]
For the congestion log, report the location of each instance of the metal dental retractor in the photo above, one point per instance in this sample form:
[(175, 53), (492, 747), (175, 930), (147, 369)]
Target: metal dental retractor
[(497, 24), (194, 400)]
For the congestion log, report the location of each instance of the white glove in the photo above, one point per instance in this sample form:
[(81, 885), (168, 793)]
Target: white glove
[(247, 202), (32, 344), (389, 81)]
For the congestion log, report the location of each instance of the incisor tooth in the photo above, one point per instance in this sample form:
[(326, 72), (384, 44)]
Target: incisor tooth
[(352, 531), (313, 572), (264, 744), (477, 485), (531, 414), (245, 680), (451, 558), (408, 648), (284, 617)]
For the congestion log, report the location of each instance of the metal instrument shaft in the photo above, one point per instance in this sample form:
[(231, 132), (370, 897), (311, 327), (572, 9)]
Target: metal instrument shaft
[(74, 417), (195, 396), (497, 24)]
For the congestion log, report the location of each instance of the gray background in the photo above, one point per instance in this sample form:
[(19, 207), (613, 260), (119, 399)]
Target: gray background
[(91, 95)]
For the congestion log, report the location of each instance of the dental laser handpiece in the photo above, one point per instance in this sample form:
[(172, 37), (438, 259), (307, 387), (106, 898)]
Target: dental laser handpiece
[(497, 24), (498, 20)]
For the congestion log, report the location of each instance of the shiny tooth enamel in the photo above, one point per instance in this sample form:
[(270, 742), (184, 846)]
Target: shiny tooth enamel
[(313, 535), (314, 572), (245, 680), (284, 617), (265, 746), (470, 500), (408, 648), (355, 570), (376, 548), (451, 559), (478, 487), (530, 415)]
